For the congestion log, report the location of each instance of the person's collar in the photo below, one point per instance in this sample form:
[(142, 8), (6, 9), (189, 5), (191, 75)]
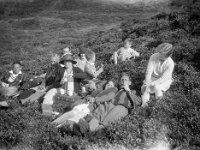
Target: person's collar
[(11, 71)]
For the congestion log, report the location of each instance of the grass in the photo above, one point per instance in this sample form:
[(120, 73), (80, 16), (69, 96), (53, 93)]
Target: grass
[(32, 35)]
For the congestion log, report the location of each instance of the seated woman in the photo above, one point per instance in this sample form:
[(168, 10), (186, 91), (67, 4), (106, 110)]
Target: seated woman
[(88, 106), (12, 81), (47, 80)]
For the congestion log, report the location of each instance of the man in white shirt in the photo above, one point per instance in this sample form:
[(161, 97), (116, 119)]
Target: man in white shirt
[(159, 73)]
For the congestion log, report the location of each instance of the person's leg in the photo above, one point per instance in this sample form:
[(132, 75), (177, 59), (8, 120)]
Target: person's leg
[(63, 118), (145, 95), (48, 102), (115, 114), (99, 114), (159, 89)]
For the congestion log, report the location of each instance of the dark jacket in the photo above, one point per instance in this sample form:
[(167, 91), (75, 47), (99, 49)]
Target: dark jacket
[(19, 80), (51, 74), (78, 75)]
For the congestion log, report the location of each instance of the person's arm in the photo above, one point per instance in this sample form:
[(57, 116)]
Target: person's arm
[(166, 75), (135, 53), (93, 73), (149, 71), (78, 73)]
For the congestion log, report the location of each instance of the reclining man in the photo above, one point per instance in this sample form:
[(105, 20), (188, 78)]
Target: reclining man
[(67, 82), (117, 108), (159, 73)]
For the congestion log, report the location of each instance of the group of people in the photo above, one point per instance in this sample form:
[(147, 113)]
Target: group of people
[(96, 103)]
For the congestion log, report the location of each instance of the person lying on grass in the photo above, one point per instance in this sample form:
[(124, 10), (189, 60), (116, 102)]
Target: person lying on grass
[(46, 82), (67, 82), (125, 53), (88, 105), (159, 73), (90, 68), (118, 107), (11, 82)]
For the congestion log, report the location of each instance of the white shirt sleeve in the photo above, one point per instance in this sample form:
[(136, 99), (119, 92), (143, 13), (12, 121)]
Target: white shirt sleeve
[(135, 53), (149, 70), (167, 75)]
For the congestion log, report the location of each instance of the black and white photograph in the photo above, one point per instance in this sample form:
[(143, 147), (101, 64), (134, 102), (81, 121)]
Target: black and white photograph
[(99, 74)]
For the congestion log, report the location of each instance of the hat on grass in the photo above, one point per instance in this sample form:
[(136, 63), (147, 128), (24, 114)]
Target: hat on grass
[(67, 57)]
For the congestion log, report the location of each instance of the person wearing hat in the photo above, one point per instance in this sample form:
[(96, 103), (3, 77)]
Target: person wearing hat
[(159, 73), (67, 82)]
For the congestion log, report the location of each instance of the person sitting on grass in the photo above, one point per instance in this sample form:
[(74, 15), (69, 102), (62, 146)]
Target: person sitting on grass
[(67, 82), (12, 81), (159, 73), (47, 82), (88, 105), (90, 68), (124, 53), (81, 61)]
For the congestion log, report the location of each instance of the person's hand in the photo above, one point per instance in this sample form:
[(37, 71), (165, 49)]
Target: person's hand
[(126, 88)]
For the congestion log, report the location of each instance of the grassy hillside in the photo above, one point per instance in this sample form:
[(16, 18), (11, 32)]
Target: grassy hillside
[(172, 123)]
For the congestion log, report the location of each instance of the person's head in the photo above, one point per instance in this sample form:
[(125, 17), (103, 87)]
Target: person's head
[(90, 56), (165, 50), (109, 84), (68, 61), (82, 54), (68, 65), (127, 43), (55, 58), (125, 80), (17, 67), (66, 51), (91, 86)]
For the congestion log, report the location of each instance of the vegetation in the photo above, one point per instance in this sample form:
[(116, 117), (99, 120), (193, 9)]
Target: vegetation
[(175, 119)]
